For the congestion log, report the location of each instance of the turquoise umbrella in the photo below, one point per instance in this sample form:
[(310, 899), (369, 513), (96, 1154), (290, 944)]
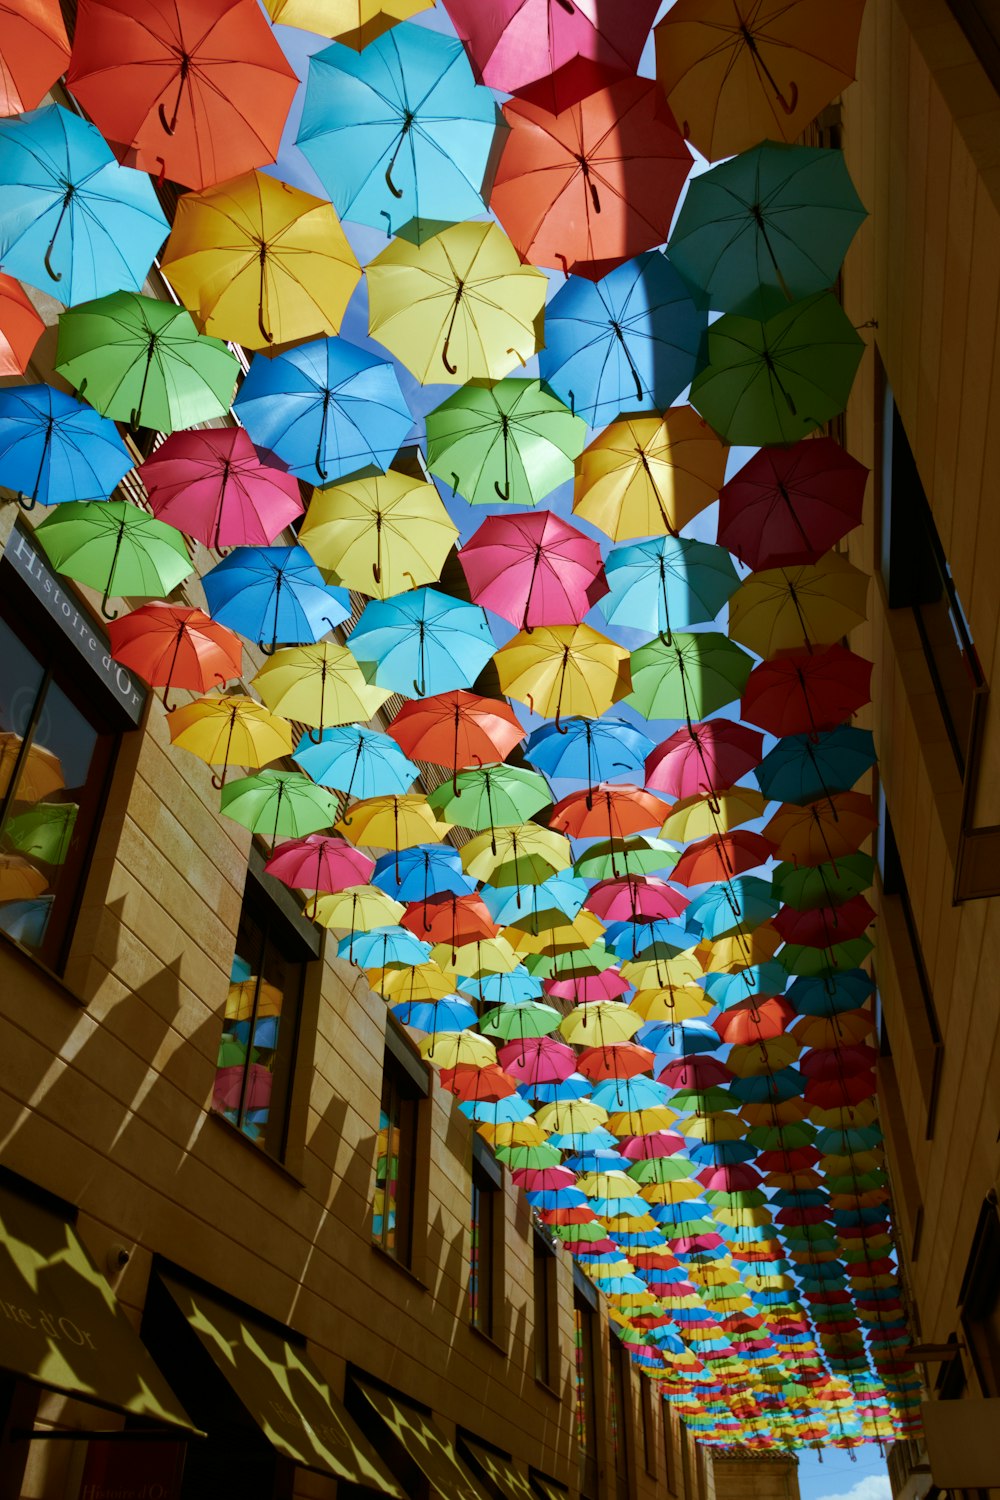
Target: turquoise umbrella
[(354, 759), (667, 583), (423, 642), (802, 768)]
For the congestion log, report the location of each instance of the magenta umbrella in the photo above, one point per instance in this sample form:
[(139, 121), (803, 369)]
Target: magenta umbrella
[(587, 988), (212, 485), (538, 1059), (695, 1073), (318, 862), (552, 52), (709, 757), (655, 1143), (533, 568), (229, 1086), (737, 1177), (629, 897)]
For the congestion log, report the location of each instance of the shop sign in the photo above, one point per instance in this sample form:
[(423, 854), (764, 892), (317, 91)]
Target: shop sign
[(117, 1469)]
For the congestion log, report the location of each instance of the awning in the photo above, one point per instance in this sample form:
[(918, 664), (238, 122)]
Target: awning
[(423, 1442), (547, 1488), (496, 1470), (61, 1325), (284, 1392)]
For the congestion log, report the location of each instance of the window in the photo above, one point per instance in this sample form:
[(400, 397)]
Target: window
[(544, 1288), (648, 1411), (55, 759), (257, 1050), (980, 20), (584, 1318), (669, 1422), (396, 1161), (979, 1299), (484, 1220), (620, 1390)]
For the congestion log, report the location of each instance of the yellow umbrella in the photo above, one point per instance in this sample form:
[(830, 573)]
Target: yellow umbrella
[(357, 908), (611, 1184), (487, 956), (459, 307), (41, 771), (845, 1116), (738, 950), (834, 1031), (719, 1126), (663, 973), (453, 1049), (319, 685), (754, 1059), (680, 1002), (647, 475), (564, 669), (224, 731), (354, 23), (670, 1192), (701, 817), (239, 1001), (19, 879), (393, 822), (418, 982), (601, 1023), (513, 1133), (259, 262), (379, 535), (810, 605), (584, 929), (571, 1116), (525, 855), (642, 1121)]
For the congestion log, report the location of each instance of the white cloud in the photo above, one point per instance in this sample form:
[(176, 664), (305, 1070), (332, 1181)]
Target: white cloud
[(872, 1487)]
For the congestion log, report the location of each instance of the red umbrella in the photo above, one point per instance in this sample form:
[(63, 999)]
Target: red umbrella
[(589, 188), (456, 729), (552, 52), (804, 692), (34, 51), (754, 1021), (616, 811), (615, 1060), (319, 862), (228, 1087), (213, 486), (720, 857), (450, 919), (583, 989), (635, 896), (194, 90), (838, 1062), (826, 925), (832, 1093), (20, 325), (705, 758), (168, 645), (790, 505), (533, 568), (695, 1073), (479, 1084), (794, 1160)]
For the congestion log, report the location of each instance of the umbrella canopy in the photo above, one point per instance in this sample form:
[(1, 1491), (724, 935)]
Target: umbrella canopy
[(260, 262), (458, 920), (72, 221), (34, 51), (720, 857), (278, 803), (813, 604), (169, 645), (552, 55), (114, 547), (803, 768), (687, 677), (456, 729), (53, 448), (510, 440), (703, 758), (422, 871), (230, 730), (212, 485), (400, 134), (325, 409), (614, 810), (803, 692), (667, 583), (776, 381), (353, 22), (558, 669), (318, 862), (823, 885), (744, 902), (193, 91), (790, 505), (586, 189), (643, 476), (630, 897), (380, 535), (356, 760), (822, 830), (629, 342), (20, 325), (394, 822), (735, 77), (318, 685), (491, 797), (533, 568), (767, 228), (273, 594), (524, 854), (461, 306), (604, 749), (142, 361), (44, 832), (423, 642)]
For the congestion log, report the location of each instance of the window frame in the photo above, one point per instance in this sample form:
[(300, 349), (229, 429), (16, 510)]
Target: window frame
[(407, 1080), (979, 1300), (585, 1361), (620, 1410), (482, 1298), (544, 1354)]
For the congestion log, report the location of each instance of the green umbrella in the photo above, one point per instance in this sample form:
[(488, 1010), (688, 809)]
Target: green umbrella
[(640, 854), (782, 1137), (710, 1101), (491, 797), (662, 1169), (519, 1157), (44, 831), (689, 678), (766, 228), (114, 546), (775, 382), (510, 441), (232, 1054), (580, 961), (143, 361), (806, 887), (279, 803), (516, 1022), (579, 1234), (795, 958), (735, 1198)]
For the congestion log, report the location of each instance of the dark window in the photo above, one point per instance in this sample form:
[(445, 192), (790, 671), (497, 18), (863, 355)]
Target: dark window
[(647, 1410), (257, 1051), (917, 576), (482, 1254), (980, 20), (395, 1170), (668, 1447), (586, 1424), (55, 759), (619, 1402), (544, 1277), (980, 1301)]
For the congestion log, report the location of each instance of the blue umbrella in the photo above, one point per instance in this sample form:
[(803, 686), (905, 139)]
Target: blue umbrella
[(505, 989), (657, 939), (830, 994), (597, 1161), (720, 1153), (784, 1083), (728, 990), (618, 1095), (26, 921), (670, 1039), (631, 342), (597, 1139), (400, 131), (573, 1086), (325, 409), (803, 768), (72, 221), (421, 872), (599, 749), (265, 1032), (383, 947), (745, 900), (274, 594), (667, 583), (453, 1013), (507, 1111), (509, 904), (567, 1197), (356, 760), (423, 642), (54, 448)]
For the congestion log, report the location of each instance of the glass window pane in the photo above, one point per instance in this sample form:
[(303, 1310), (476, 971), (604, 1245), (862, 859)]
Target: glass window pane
[(387, 1166), (481, 1255)]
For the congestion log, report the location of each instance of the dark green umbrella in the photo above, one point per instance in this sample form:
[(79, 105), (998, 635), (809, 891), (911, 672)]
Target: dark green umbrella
[(806, 887), (775, 382), (766, 228), (114, 546), (44, 831)]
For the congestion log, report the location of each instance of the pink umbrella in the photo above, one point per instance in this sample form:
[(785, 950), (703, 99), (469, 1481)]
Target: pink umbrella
[(635, 896), (584, 988), (538, 1059), (212, 485), (656, 1143), (533, 568), (318, 862), (553, 52), (695, 1072), (229, 1084), (738, 1177), (542, 1179), (705, 758)]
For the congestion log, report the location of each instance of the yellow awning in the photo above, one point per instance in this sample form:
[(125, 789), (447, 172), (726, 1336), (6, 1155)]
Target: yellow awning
[(285, 1393), (496, 1470), (62, 1326), (424, 1443), (547, 1488)]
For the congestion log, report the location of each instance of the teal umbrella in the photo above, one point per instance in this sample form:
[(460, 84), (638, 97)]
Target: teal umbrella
[(667, 583), (776, 381), (687, 677), (513, 440), (766, 228)]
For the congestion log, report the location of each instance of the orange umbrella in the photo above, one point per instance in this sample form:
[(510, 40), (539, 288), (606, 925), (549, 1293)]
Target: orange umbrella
[(591, 187), (755, 1021), (721, 857), (735, 74), (192, 91), (613, 810), (822, 831), (34, 50), (20, 325)]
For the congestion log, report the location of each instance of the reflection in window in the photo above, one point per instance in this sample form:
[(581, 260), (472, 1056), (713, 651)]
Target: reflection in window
[(254, 1065), (53, 769), (483, 1226), (618, 1415), (586, 1432), (392, 1218), (544, 1268)]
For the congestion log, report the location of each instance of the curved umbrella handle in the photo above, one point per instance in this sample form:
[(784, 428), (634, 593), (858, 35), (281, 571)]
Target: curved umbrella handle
[(26, 504), (452, 369), (108, 614), (787, 105), (218, 781)]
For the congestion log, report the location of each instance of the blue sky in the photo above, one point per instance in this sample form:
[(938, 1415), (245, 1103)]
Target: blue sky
[(836, 1478)]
